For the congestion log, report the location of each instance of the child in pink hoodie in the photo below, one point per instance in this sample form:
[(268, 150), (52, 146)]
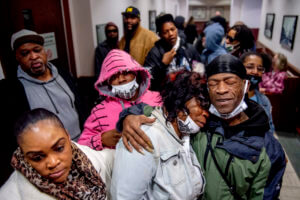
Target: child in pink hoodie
[(124, 83)]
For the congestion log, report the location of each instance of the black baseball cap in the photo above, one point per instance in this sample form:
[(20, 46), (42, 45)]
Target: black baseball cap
[(131, 11)]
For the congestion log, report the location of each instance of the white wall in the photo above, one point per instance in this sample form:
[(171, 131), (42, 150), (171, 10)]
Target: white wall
[(210, 2), (280, 8), (81, 24), (86, 14), (210, 5), (247, 11)]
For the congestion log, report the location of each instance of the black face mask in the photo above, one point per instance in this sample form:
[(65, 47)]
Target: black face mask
[(254, 81)]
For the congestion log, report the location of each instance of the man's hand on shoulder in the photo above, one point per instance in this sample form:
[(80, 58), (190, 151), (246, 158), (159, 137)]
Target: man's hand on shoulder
[(133, 134), (168, 57)]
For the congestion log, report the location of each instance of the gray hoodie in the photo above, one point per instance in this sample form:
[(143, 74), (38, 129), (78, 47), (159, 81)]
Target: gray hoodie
[(53, 95)]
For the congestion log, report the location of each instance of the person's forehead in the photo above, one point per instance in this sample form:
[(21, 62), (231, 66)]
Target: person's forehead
[(167, 25), (223, 76), (111, 27), (253, 58), (42, 135), (28, 45), (130, 16)]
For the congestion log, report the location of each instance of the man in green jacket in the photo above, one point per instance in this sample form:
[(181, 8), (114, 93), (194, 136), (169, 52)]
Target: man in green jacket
[(239, 154), (236, 149)]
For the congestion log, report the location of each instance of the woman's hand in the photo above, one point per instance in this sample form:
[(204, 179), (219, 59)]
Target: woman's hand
[(168, 57), (110, 138), (133, 133)]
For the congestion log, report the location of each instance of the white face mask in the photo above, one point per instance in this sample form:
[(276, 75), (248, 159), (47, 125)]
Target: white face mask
[(240, 108), (125, 91), (188, 126), (176, 46)]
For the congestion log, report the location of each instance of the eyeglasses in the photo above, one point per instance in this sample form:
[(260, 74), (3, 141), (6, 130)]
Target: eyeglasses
[(112, 31), (230, 38), (252, 68)]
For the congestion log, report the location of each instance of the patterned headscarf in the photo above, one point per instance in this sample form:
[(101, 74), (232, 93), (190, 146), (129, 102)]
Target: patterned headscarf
[(83, 181)]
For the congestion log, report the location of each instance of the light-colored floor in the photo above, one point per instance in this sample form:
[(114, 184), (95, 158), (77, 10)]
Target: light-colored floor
[(291, 184)]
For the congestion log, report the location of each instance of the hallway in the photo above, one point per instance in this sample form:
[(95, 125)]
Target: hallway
[(291, 184)]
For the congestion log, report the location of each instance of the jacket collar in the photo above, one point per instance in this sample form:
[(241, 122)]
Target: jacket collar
[(246, 140)]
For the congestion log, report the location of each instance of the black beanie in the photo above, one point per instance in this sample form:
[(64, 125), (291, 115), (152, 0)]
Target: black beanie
[(163, 19), (226, 64)]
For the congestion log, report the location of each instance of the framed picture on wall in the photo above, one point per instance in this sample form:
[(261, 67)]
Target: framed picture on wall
[(152, 16), (214, 10), (269, 25), (100, 32), (288, 31), (199, 13)]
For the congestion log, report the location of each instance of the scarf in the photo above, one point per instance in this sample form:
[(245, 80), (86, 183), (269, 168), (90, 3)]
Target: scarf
[(83, 181)]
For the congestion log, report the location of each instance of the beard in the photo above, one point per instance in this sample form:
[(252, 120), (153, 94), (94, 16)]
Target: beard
[(133, 29)]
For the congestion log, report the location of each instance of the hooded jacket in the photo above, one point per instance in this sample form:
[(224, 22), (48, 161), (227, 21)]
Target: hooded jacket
[(252, 160), (53, 95), (104, 47), (214, 34), (105, 115)]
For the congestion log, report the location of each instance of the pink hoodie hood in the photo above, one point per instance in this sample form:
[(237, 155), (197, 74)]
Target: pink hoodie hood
[(117, 61)]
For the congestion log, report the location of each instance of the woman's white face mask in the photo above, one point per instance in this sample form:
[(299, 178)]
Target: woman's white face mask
[(125, 91), (188, 126)]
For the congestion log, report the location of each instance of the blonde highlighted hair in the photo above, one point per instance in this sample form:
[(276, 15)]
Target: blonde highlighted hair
[(281, 62)]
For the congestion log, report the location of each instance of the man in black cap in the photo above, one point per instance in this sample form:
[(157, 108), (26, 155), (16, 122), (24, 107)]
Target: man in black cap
[(39, 84), (236, 149), (170, 54), (137, 41), (111, 42)]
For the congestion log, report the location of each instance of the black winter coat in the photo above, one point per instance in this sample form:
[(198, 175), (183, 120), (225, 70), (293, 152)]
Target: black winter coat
[(158, 69)]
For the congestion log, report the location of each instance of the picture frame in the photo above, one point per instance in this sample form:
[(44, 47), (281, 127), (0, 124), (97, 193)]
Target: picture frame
[(288, 31), (100, 33), (152, 17), (199, 13), (213, 11), (269, 25)]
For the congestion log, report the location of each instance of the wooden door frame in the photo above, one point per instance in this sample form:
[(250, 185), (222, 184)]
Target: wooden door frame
[(69, 38)]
